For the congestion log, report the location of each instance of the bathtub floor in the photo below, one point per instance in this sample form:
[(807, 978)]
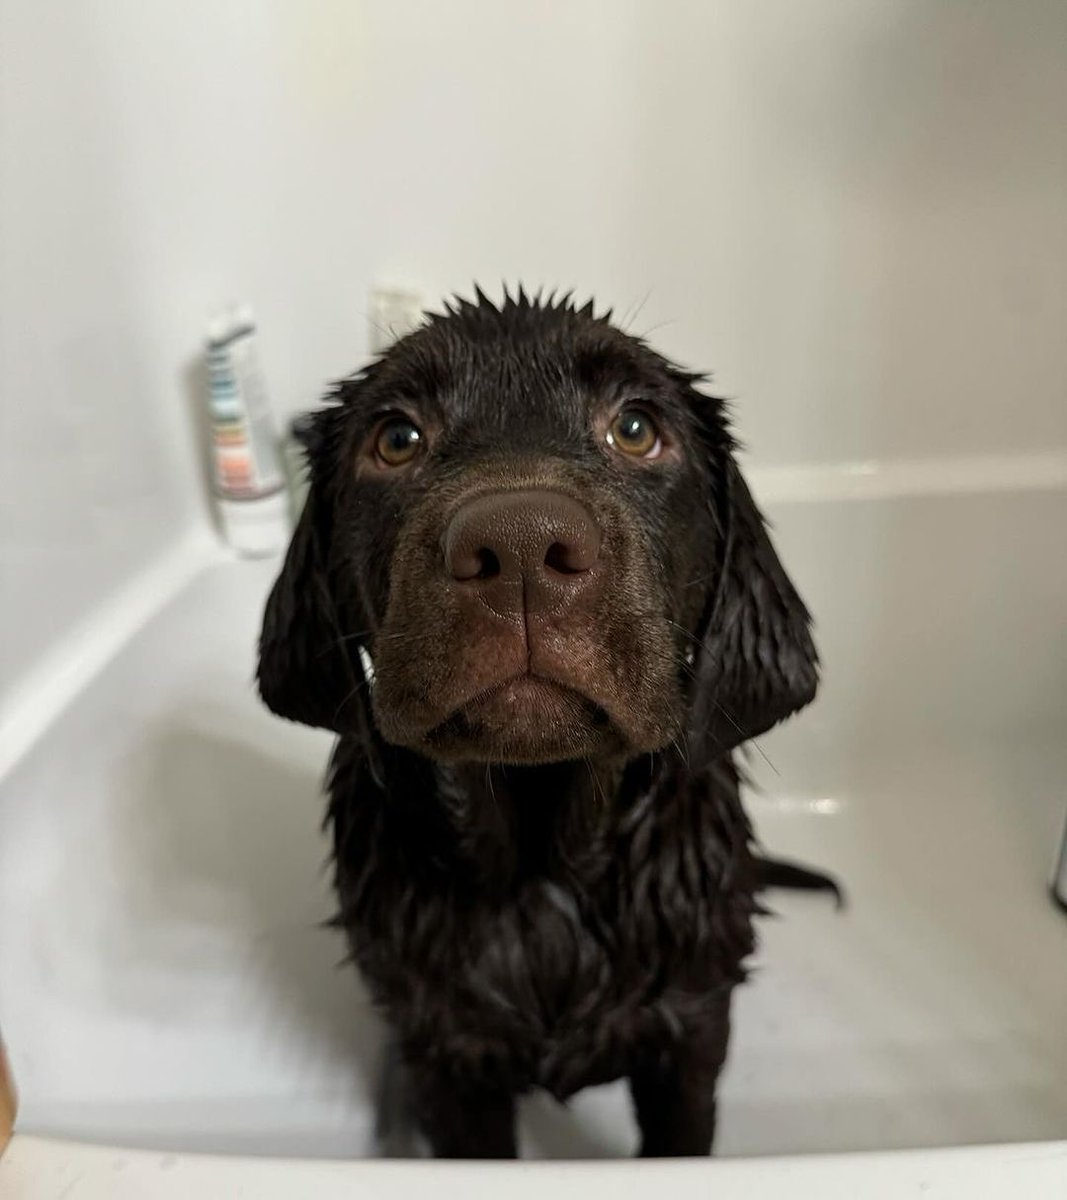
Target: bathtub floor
[(163, 982)]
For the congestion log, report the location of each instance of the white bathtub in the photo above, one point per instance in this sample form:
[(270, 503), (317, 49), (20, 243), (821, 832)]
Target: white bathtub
[(164, 985)]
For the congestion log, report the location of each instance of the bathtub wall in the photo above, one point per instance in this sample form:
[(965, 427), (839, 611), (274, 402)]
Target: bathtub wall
[(852, 212)]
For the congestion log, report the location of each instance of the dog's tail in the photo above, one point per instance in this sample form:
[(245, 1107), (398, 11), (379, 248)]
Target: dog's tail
[(779, 873)]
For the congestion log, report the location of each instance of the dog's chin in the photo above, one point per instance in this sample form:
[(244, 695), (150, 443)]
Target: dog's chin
[(525, 721)]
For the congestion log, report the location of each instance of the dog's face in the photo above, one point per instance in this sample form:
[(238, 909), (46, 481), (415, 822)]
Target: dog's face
[(533, 527), (525, 478)]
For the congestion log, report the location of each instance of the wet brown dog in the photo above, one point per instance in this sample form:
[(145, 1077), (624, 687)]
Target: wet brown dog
[(534, 528)]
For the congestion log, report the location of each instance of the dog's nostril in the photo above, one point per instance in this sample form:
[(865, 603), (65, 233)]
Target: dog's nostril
[(468, 564), (488, 564), (566, 559)]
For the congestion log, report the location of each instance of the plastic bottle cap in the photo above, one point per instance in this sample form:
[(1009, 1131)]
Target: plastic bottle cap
[(243, 316), (219, 327)]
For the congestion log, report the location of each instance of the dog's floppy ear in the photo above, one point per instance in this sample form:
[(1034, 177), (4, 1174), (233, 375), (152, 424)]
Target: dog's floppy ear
[(309, 665), (757, 661)]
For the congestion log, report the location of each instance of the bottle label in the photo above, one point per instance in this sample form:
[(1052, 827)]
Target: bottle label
[(246, 458)]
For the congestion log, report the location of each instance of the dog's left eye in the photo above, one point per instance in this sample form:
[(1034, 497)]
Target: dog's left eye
[(635, 433), (397, 442)]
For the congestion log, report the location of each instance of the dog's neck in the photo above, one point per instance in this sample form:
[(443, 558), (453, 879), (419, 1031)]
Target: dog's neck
[(522, 821)]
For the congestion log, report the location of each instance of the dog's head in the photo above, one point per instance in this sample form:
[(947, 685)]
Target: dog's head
[(533, 526)]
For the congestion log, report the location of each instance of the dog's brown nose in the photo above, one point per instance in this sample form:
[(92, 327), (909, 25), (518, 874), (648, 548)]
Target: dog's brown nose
[(532, 551)]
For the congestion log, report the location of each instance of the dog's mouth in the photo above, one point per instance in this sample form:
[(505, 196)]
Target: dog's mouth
[(557, 697), (525, 719)]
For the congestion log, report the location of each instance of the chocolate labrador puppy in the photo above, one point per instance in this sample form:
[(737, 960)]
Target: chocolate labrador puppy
[(532, 594)]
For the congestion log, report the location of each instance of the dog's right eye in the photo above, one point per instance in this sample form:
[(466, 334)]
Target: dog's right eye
[(635, 433), (397, 442)]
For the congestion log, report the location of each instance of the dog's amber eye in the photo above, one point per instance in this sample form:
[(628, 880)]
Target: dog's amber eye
[(635, 433), (397, 442)]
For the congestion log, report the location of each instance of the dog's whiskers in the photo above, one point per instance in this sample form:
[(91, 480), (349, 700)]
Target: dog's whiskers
[(410, 639), (726, 713), (682, 750), (360, 683)]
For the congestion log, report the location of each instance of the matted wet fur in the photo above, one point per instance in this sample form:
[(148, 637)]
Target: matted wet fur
[(544, 869)]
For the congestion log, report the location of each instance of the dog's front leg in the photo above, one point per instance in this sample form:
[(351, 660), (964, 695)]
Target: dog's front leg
[(674, 1098), (461, 1122)]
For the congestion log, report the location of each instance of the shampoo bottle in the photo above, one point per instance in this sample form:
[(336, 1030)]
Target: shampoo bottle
[(248, 478)]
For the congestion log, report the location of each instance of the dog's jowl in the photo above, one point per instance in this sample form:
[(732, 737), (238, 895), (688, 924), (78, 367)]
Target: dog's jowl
[(534, 527)]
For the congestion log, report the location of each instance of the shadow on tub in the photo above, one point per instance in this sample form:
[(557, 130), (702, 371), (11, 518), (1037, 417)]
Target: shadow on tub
[(225, 883)]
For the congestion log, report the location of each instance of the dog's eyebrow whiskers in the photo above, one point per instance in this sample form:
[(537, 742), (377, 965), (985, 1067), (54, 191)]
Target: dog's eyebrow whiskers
[(629, 318), (654, 328)]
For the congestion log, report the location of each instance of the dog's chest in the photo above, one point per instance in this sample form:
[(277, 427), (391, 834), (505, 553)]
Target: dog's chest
[(569, 991), (560, 973), (546, 951), (561, 957)]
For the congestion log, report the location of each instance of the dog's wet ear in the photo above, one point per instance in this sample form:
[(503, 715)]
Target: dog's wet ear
[(757, 661), (309, 664)]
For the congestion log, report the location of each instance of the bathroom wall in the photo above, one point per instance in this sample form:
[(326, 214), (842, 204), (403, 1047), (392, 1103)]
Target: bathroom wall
[(156, 161), (853, 212)]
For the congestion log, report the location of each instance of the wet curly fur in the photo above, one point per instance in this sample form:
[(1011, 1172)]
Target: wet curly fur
[(560, 923)]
